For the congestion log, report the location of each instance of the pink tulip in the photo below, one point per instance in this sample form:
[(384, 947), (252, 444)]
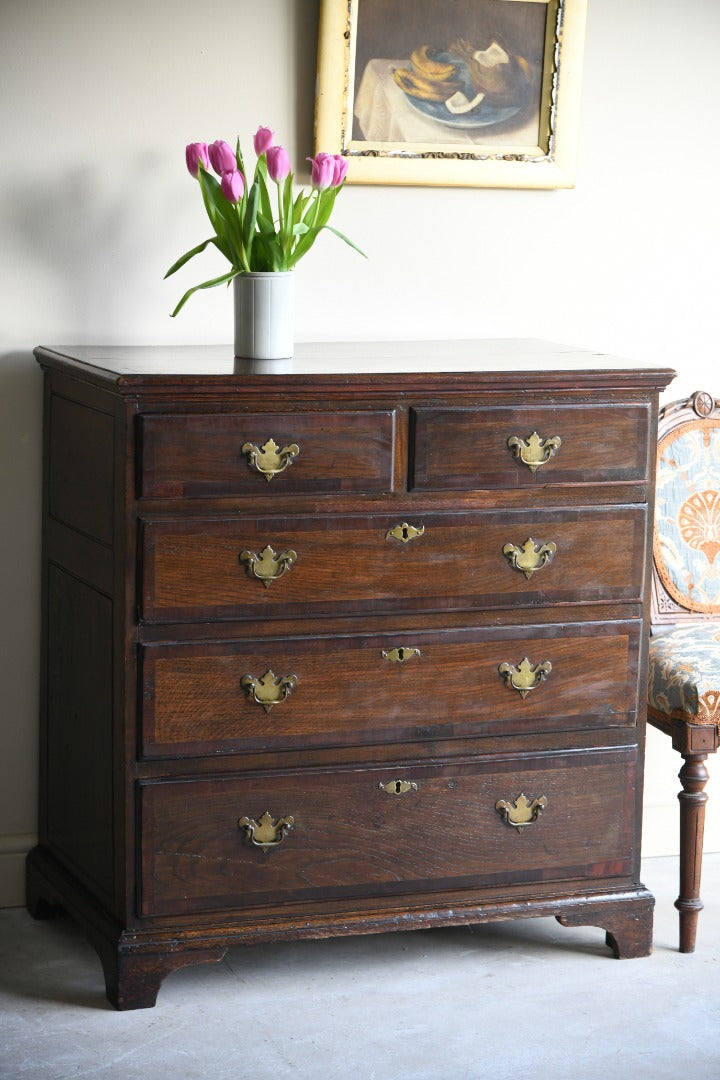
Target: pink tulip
[(322, 171), (262, 140), (340, 171), (222, 157), (278, 163), (232, 185), (196, 153)]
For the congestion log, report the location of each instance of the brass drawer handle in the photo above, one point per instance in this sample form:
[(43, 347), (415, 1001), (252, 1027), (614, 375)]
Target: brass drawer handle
[(524, 677), (266, 834), (270, 459), (404, 532), (400, 655), (534, 451), (522, 812), (530, 557), (268, 690), (268, 566), (398, 787)]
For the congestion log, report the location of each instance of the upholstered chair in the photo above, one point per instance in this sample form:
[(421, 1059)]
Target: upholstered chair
[(684, 676)]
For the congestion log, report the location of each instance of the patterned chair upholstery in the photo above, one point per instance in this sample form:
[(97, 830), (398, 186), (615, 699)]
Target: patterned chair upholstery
[(684, 673)]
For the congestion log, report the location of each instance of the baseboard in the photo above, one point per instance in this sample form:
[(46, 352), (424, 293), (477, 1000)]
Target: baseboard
[(13, 850)]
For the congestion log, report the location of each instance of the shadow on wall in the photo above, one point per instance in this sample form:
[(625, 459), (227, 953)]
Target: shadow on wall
[(20, 483), (305, 38), (95, 248)]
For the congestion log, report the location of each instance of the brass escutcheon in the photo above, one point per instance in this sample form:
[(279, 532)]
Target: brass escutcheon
[(268, 566), (404, 532), (524, 677), (530, 557), (400, 655), (534, 451), (522, 812), (398, 787), (266, 834), (270, 459), (268, 690)]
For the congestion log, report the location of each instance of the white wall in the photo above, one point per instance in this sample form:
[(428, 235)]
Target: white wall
[(99, 99)]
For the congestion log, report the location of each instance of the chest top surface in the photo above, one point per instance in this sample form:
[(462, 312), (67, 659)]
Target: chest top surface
[(341, 367)]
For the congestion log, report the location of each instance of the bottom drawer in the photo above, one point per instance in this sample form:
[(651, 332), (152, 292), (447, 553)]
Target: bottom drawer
[(348, 836)]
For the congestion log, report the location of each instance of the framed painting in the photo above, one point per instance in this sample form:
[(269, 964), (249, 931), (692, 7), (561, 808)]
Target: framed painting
[(469, 93)]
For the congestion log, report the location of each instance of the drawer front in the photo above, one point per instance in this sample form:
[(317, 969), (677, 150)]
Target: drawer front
[(216, 569), (507, 447), (217, 698), (350, 837), (228, 453)]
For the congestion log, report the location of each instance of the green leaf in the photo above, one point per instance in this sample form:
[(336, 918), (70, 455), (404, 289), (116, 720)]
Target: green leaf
[(213, 199), (287, 202), (319, 209), (248, 227), (303, 246), (326, 204), (239, 157), (266, 253), (261, 177), (265, 226), (223, 246), (310, 210), (308, 239), (189, 255), (347, 241), (223, 217), (206, 285), (300, 229)]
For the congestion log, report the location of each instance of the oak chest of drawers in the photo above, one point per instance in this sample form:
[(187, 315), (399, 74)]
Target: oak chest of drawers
[(350, 648)]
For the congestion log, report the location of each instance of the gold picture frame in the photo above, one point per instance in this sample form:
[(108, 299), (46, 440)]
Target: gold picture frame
[(477, 93)]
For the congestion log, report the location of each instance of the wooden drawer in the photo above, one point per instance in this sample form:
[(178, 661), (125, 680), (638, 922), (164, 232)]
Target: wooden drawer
[(202, 454), (354, 691), (351, 838), (468, 448), (195, 569)]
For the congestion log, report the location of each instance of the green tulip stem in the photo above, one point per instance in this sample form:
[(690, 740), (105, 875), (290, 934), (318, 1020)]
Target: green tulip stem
[(281, 217)]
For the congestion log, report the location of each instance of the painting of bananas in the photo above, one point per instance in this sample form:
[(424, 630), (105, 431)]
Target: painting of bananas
[(473, 93), (465, 85)]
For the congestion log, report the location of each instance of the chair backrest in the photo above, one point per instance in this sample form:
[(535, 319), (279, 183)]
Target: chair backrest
[(686, 541)]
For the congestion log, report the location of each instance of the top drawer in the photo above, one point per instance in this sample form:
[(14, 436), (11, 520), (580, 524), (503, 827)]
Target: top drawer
[(517, 446), (210, 454)]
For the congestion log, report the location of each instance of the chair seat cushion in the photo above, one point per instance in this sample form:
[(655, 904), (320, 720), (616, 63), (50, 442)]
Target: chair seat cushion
[(684, 676)]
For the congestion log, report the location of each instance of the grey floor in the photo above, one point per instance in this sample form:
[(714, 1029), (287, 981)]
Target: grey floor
[(511, 1001)]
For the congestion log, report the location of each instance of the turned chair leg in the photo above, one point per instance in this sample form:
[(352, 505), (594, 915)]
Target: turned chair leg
[(693, 777)]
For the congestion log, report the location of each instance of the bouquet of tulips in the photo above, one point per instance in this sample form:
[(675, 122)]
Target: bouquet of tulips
[(247, 231)]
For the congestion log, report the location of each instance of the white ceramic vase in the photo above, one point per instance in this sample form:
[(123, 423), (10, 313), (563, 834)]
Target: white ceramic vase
[(264, 315)]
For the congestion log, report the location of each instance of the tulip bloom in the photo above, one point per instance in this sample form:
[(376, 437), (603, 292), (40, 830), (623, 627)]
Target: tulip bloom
[(322, 171), (232, 185), (340, 171), (196, 153), (278, 163), (222, 157), (262, 140)]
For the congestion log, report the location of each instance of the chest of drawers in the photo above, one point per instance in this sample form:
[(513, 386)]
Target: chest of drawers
[(352, 648)]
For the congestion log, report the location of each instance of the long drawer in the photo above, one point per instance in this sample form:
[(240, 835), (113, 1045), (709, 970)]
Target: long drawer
[(201, 454), (204, 699), (378, 832), (248, 567), (525, 445)]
